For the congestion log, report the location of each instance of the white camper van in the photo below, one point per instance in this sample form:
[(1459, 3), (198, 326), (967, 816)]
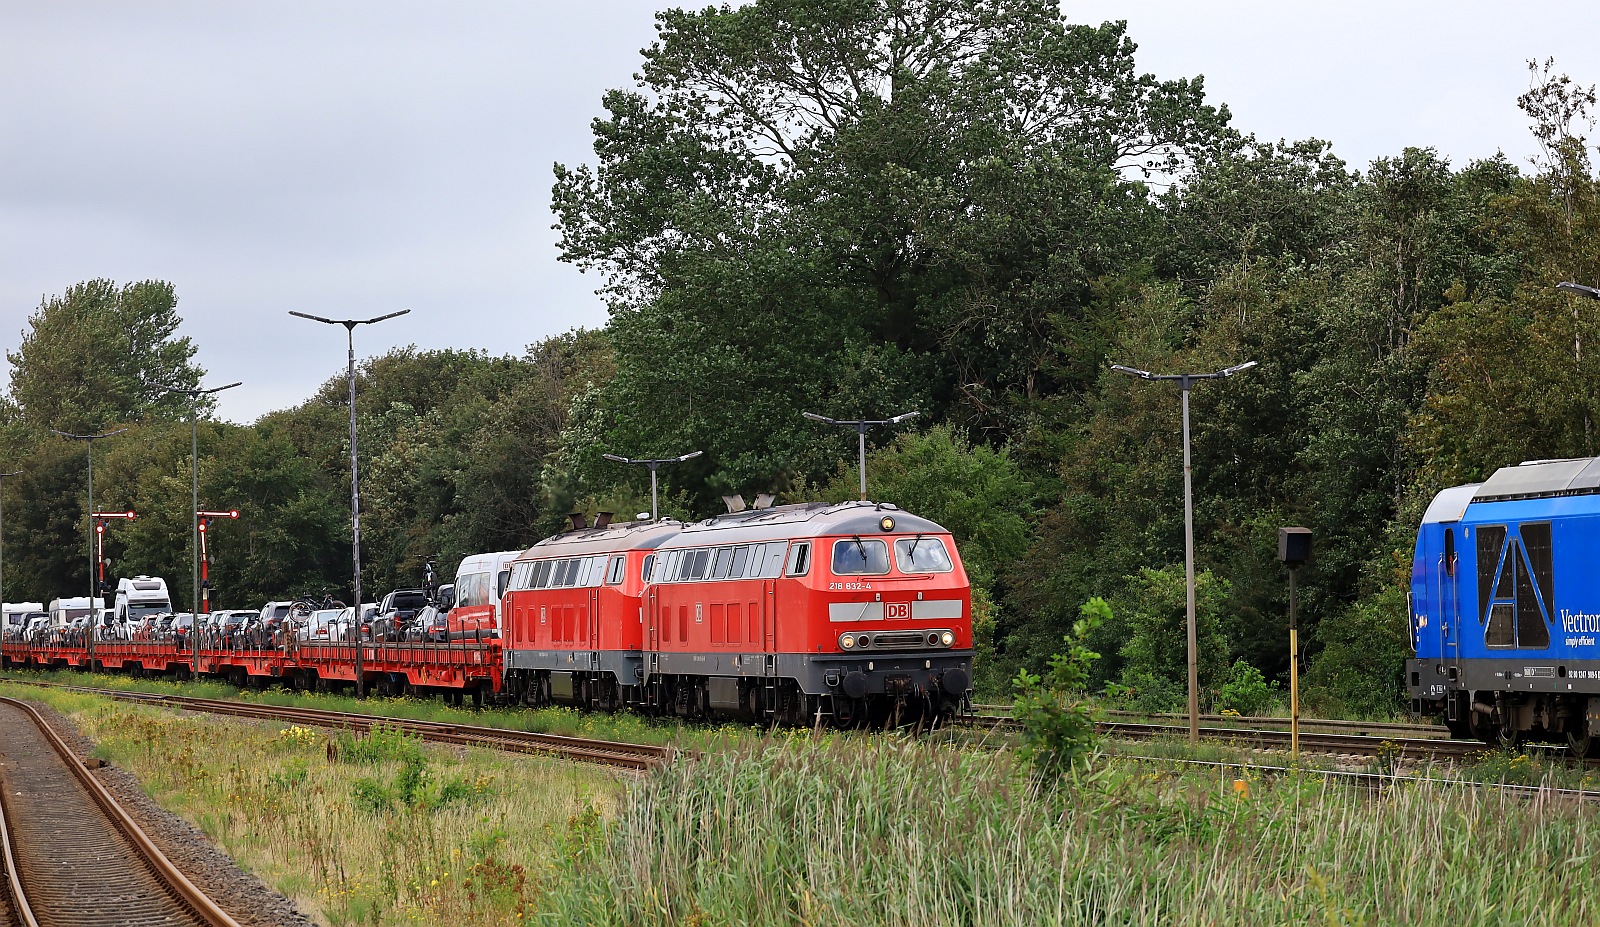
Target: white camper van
[(63, 611), (139, 598), (15, 613)]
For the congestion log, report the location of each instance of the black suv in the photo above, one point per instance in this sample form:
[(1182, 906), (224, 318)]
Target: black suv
[(395, 613)]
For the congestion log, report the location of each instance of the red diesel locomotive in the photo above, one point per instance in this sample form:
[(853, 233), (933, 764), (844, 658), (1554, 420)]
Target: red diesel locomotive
[(854, 612)]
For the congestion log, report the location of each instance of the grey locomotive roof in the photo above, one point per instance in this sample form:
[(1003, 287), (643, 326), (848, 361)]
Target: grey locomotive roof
[(1450, 504), (1533, 479), (1542, 478), (627, 535), (807, 520)]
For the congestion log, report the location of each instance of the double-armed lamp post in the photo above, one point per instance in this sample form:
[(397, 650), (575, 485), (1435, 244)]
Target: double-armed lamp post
[(861, 426), (1186, 382), (654, 464), (3, 478), (196, 540), (93, 618), (355, 488)]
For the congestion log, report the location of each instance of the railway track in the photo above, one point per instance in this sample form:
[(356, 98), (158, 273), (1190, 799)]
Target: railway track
[(73, 857), (1328, 742), (1258, 722), (580, 749)]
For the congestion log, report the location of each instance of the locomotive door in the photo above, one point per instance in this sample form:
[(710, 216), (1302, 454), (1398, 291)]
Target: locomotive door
[(1449, 574), (594, 629), (769, 615)]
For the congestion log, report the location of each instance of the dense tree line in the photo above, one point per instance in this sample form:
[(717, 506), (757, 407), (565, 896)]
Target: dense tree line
[(963, 207)]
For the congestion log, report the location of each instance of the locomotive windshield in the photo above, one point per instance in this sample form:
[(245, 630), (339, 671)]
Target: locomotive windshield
[(857, 557), (922, 555)]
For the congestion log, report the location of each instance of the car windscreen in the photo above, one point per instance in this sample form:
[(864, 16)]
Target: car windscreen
[(143, 609)]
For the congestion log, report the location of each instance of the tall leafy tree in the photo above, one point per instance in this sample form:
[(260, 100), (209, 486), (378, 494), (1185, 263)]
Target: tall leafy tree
[(857, 205), (96, 354)]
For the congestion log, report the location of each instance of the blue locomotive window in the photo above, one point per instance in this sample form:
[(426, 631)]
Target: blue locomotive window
[(1523, 584), (1491, 538), (1536, 541)]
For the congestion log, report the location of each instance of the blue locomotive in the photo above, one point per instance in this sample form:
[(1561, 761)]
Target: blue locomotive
[(1505, 606)]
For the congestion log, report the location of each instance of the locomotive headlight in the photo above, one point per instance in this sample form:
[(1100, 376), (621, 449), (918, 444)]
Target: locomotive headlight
[(947, 638), (848, 641)]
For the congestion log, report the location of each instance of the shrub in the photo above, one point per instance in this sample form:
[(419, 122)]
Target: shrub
[(1057, 718), (1245, 690)]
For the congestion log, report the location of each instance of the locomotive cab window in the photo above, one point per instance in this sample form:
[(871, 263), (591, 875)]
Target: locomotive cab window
[(855, 557), (619, 566), (800, 559), (1516, 583), (922, 555), (648, 568)]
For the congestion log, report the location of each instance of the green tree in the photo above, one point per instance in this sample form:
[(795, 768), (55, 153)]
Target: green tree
[(1155, 622), (855, 207), (96, 354)]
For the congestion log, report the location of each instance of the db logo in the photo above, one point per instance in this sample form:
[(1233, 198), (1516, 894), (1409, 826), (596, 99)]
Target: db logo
[(897, 610)]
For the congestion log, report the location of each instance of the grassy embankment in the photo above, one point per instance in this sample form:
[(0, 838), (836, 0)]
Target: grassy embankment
[(373, 830), (623, 726), (850, 830)]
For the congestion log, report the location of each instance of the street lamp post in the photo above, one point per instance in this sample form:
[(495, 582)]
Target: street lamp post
[(194, 395), (654, 465), (1186, 382), (3, 477), (355, 488), (93, 618), (861, 426)]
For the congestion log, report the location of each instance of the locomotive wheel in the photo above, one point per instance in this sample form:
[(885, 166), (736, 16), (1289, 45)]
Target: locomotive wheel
[(1583, 746)]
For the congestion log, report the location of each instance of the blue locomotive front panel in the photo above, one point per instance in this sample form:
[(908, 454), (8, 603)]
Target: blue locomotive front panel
[(1505, 605)]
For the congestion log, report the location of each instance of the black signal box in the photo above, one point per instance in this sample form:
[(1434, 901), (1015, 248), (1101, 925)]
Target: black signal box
[(1294, 545)]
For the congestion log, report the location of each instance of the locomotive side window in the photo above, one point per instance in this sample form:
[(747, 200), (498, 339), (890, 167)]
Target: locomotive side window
[(619, 567), (741, 558), (922, 555), (1532, 632), (856, 557), (648, 568), (698, 565), (1499, 632), (766, 560), (719, 566), (541, 574), (1490, 539), (800, 559), (1536, 541)]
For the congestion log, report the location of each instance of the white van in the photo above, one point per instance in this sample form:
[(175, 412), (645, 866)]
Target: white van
[(480, 582)]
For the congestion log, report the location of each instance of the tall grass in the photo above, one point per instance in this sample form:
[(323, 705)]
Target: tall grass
[(882, 832)]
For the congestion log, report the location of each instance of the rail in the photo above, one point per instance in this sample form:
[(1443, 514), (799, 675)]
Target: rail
[(184, 892)]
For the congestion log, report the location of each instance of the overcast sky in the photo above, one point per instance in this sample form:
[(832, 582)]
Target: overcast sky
[(350, 158)]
